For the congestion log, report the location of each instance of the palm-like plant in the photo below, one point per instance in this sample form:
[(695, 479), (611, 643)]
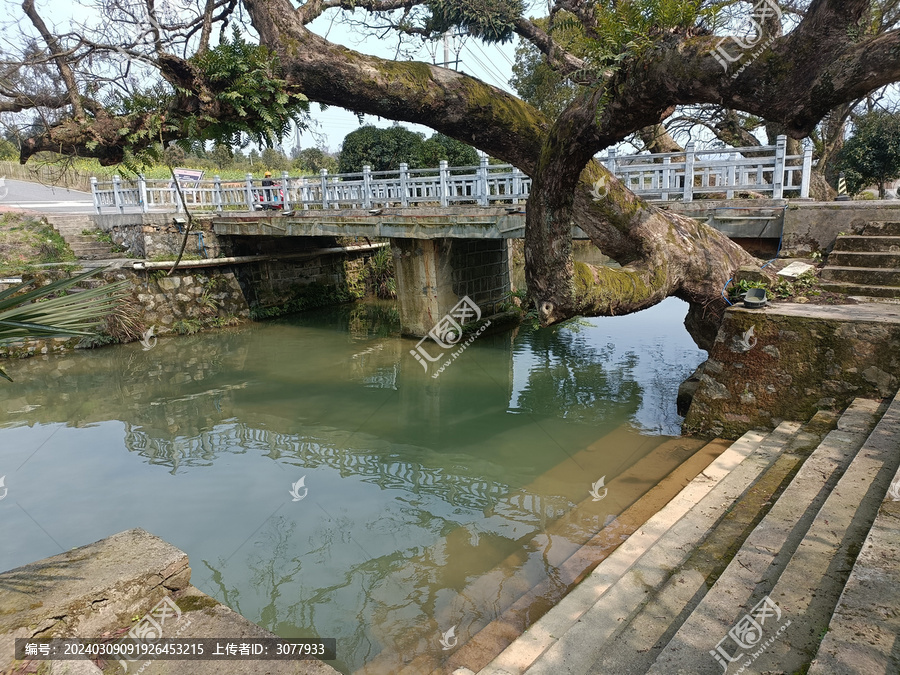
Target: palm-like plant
[(35, 315)]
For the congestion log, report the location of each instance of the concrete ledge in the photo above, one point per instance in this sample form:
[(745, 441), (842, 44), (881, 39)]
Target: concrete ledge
[(789, 360), (98, 589), (85, 590)]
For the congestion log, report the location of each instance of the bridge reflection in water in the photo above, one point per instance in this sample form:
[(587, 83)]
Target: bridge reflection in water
[(431, 502)]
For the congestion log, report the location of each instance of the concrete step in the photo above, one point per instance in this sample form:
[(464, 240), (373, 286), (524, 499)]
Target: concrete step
[(75, 228), (863, 259), (862, 633), (557, 640), (638, 642), (882, 228), (866, 290), (570, 545), (577, 650), (856, 242), (691, 457), (862, 275), (78, 240), (785, 548), (810, 587)]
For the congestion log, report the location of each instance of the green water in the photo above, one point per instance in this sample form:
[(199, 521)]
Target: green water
[(426, 503)]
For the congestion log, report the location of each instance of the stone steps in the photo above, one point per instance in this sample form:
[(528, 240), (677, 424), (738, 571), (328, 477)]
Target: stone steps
[(646, 608), (861, 289), (864, 259), (811, 585), (863, 630), (867, 264), (873, 243), (882, 228), (776, 551), (84, 246), (638, 643), (574, 626), (868, 276)]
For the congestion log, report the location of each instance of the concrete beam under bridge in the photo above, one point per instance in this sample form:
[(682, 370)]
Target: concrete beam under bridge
[(454, 222)]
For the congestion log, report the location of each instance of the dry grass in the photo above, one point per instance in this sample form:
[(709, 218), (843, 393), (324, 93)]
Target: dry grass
[(25, 242)]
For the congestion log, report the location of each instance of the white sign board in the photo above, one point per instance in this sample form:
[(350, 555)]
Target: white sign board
[(795, 269)]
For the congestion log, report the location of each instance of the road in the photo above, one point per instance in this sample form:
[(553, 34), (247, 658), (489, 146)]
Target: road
[(18, 194)]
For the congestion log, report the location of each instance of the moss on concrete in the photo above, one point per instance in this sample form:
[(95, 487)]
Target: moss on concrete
[(790, 361)]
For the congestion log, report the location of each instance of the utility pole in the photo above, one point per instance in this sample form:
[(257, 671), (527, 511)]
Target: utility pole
[(447, 62)]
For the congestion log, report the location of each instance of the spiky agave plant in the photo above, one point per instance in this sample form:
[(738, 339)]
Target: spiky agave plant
[(29, 314)]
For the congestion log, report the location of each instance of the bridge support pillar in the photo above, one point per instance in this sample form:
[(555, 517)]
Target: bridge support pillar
[(433, 275)]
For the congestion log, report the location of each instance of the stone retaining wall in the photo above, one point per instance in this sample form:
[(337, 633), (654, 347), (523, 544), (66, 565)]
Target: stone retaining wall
[(787, 361), (156, 235)]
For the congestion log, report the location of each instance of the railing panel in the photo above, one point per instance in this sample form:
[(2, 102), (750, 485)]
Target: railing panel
[(673, 175)]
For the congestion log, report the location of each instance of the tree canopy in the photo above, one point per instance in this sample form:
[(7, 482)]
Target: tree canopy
[(386, 149), (872, 155), (143, 74)]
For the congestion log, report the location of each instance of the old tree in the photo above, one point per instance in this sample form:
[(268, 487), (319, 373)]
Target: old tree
[(90, 91)]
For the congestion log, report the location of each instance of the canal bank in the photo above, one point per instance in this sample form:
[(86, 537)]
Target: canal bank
[(766, 463)]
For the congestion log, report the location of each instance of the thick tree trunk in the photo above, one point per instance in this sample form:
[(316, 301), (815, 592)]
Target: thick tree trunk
[(662, 254)]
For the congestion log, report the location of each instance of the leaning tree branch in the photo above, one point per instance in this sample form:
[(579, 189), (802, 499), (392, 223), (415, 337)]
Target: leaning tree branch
[(58, 52), (559, 58), (313, 9)]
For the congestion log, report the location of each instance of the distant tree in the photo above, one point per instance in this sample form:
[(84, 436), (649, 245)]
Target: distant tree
[(254, 158), (313, 160), (273, 159), (456, 153), (222, 155), (872, 154), (174, 155), (381, 149), (8, 151)]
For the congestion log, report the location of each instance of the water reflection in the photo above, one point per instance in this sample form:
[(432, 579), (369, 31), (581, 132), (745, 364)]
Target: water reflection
[(431, 503)]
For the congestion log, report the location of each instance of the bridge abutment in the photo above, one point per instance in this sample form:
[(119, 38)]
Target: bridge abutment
[(434, 274)]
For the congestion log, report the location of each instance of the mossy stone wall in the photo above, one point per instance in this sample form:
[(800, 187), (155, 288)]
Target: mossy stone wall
[(787, 361)]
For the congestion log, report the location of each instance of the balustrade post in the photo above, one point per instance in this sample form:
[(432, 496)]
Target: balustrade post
[(323, 176), (117, 194), (483, 182), (807, 170), (611, 160), (404, 184), (248, 192), (95, 194), (285, 191), (304, 193), (778, 174), (142, 193), (730, 181), (666, 179), (445, 182), (367, 187), (516, 184), (217, 193), (689, 172)]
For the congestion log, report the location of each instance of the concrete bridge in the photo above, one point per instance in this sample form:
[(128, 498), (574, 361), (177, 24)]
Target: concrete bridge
[(449, 227)]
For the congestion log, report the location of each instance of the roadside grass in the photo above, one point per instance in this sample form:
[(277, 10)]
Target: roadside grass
[(26, 242)]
